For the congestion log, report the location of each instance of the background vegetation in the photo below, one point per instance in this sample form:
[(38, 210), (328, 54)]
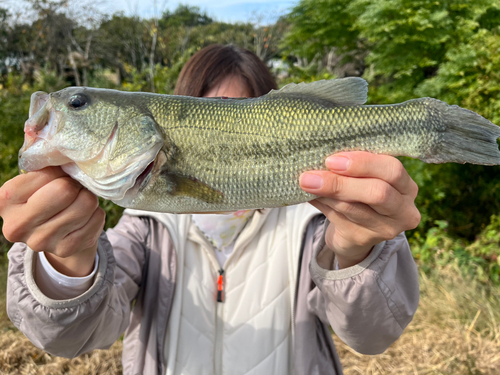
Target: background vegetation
[(447, 49)]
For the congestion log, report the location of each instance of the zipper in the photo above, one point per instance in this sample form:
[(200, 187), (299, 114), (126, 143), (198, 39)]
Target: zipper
[(219, 335), (219, 323), (220, 286), (242, 241)]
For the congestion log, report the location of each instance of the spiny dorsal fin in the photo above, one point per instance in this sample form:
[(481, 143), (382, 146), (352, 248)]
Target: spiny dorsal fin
[(341, 91)]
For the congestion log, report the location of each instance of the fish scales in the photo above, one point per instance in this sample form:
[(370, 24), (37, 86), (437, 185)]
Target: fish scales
[(182, 154), (255, 150)]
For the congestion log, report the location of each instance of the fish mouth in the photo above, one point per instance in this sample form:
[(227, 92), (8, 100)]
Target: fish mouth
[(41, 126), (40, 120)]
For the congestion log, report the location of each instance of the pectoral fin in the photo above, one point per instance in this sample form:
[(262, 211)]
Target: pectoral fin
[(190, 187)]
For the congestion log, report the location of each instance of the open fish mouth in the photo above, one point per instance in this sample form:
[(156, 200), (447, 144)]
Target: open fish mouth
[(37, 151), (43, 148)]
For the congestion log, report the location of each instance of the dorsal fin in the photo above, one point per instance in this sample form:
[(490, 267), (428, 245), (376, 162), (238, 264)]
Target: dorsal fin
[(341, 91)]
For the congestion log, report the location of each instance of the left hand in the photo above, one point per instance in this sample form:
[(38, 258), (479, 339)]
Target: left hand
[(367, 198)]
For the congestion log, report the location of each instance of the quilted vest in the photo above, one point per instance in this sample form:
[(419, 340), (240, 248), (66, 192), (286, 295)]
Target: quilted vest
[(251, 330)]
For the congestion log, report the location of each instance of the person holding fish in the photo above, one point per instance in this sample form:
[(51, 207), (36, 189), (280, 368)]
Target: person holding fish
[(253, 291)]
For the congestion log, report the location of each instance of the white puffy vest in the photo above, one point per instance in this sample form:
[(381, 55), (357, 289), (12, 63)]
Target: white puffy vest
[(251, 331)]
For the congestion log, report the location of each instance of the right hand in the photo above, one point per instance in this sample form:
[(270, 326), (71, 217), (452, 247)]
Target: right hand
[(51, 212)]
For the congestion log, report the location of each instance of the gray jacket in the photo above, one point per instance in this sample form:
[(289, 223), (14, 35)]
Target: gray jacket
[(367, 305)]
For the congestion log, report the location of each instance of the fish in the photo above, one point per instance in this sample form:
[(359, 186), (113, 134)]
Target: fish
[(181, 154)]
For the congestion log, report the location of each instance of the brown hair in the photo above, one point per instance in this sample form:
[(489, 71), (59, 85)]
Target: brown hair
[(213, 63)]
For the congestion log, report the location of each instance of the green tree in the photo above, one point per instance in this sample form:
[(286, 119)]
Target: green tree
[(185, 16), (4, 39), (449, 50), (445, 49), (121, 43), (408, 40), (470, 73), (318, 26)]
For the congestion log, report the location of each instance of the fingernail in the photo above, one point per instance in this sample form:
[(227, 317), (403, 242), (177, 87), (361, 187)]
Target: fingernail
[(337, 163), (311, 181)]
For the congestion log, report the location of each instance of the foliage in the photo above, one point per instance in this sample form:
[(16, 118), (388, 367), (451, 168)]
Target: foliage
[(319, 26), (408, 40), (307, 74), (14, 104), (78, 44), (478, 260), (405, 48), (185, 15), (463, 195), (405, 42), (444, 49), (470, 75), (120, 41)]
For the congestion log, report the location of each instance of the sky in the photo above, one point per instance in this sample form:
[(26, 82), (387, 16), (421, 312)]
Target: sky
[(260, 12), (221, 10)]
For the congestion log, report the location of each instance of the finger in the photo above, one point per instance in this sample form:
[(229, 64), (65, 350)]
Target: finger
[(51, 199), (22, 220), (77, 214), (346, 234), (365, 164), (20, 188), (46, 236), (381, 226), (358, 213), (378, 194), (320, 206), (84, 237)]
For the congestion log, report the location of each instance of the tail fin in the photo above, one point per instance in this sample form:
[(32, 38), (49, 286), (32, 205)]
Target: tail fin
[(468, 138)]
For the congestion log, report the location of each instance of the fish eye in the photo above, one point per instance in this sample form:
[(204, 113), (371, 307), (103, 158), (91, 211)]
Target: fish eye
[(78, 101)]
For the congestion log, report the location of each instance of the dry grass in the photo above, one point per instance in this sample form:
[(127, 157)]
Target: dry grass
[(18, 356), (456, 331)]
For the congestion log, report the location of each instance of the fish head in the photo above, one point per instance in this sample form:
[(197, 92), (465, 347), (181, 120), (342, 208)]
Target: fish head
[(99, 137)]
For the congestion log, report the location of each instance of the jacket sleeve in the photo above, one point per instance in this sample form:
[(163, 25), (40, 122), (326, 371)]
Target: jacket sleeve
[(96, 318), (370, 304)]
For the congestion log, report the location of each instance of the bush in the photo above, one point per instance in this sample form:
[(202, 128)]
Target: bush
[(464, 195), (478, 260)]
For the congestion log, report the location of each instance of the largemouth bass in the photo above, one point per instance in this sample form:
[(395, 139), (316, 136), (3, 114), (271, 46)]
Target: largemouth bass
[(183, 154)]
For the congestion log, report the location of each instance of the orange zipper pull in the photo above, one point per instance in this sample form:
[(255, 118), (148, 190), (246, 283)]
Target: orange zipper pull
[(220, 282)]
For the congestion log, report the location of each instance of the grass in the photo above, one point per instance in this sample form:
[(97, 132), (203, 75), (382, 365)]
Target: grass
[(4, 319), (19, 356), (456, 331)]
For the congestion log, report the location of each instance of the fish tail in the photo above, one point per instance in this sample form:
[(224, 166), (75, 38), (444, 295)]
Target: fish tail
[(466, 137)]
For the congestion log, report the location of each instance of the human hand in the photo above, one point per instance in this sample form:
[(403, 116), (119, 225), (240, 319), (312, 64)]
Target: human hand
[(51, 212), (367, 198)]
